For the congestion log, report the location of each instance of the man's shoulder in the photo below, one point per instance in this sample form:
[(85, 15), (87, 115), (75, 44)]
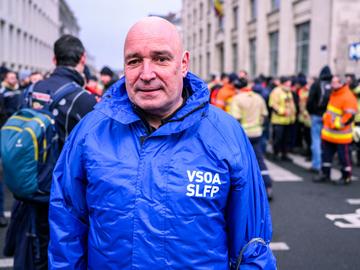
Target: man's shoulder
[(90, 122), (222, 122)]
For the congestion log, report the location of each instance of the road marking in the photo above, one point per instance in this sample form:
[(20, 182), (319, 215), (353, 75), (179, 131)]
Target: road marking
[(6, 263), (300, 161), (278, 246), (348, 221), (279, 174), (7, 214), (353, 201)]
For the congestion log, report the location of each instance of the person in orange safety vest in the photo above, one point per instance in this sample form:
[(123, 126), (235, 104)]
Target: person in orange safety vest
[(226, 93), (336, 134)]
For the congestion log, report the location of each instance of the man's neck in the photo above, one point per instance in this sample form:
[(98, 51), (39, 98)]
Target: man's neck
[(155, 120)]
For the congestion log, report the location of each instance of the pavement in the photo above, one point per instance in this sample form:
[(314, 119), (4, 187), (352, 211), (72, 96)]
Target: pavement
[(315, 226)]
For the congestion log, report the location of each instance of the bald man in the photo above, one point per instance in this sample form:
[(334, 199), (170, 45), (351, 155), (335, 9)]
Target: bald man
[(155, 177)]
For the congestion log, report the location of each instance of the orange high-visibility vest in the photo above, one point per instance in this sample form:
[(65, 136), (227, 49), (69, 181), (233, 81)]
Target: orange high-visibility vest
[(339, 116), (224, 96)]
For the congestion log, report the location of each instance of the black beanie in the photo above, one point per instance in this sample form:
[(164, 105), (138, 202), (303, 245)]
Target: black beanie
[(106, 71)]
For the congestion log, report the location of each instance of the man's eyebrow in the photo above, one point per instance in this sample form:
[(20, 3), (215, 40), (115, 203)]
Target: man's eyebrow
[(162, 53), (132, 55)]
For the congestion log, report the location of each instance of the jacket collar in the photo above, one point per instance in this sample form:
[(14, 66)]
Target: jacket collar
[(71, 73), (116, 105), (341, 90)]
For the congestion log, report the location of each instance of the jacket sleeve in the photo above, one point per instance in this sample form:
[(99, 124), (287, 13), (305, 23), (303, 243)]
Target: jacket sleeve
[(68, 216), (248, 214)]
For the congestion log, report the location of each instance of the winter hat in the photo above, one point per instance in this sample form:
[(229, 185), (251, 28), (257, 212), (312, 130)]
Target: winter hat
[(106, 71)]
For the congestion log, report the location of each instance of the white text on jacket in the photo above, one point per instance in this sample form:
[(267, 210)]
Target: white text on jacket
[(202, 184)]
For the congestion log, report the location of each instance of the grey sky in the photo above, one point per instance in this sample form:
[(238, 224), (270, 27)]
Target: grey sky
[(104, 24)]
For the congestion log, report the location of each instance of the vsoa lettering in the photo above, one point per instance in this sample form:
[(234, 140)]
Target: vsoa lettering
[(202, 184)]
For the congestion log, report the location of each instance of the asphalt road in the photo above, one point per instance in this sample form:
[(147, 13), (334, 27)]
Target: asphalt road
[(304, 236)]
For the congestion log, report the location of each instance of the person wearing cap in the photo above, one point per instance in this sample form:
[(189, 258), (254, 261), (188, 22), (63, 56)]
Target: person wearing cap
[(106, 78), (319, 94), (226, 93)]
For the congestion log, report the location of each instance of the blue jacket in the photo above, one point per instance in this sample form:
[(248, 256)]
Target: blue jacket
[(187, 196)]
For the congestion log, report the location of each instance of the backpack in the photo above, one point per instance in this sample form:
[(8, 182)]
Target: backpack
[(29, 146)]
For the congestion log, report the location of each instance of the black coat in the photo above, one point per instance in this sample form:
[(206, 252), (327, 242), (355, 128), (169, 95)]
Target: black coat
[(77, 104), (319, 93)]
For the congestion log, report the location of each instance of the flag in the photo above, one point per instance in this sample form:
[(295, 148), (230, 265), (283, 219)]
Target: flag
[(219, 9)]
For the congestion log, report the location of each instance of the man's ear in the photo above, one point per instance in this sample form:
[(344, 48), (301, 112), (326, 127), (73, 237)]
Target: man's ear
[(185, 63), (54, 60), (83, 59)]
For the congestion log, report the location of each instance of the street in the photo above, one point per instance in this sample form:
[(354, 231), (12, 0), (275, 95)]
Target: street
[(315, 226)]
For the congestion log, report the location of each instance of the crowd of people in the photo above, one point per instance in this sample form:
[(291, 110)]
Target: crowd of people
[(70, 67), (315, 117), (147, 163), (145, 155)]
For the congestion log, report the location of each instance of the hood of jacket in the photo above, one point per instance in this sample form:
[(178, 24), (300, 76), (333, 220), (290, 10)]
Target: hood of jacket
[(325, 74), (117, 105)]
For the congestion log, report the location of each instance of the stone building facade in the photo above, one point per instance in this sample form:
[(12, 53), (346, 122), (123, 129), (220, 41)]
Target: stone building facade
[(271, 37), (28, 29)]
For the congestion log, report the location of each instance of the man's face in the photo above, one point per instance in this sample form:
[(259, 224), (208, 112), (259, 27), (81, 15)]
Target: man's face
[(105, 79), (11, 79), (36, 77), (287, 84), (154, 69), (336, 82)]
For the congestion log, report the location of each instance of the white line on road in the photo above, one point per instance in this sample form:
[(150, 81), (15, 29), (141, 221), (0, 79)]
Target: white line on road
[(300, 161), (353, 201), (6, 263), (7, 214), (276, 246), (346, 221), (279, 174)]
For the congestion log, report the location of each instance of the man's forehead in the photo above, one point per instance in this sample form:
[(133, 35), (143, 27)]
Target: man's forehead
[(153, 32), (143, 45)]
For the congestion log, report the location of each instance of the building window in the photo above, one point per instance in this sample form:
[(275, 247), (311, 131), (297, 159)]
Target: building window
[(195, 17), (302, 47), (274, 52), (2, 37), (252, 54), (209, 6), (200, 65), (194, 64), (253, 9), (221, 57), (194, 41), (208, 36), (275, 5), (220, 20), (235, 17), (208, 63), (201, 10), (201, 37), (235, 56)]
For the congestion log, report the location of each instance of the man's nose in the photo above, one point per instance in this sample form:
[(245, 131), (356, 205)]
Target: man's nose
[(147, 73)]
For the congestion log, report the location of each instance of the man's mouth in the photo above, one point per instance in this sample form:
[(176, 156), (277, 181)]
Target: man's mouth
[(149, 89)]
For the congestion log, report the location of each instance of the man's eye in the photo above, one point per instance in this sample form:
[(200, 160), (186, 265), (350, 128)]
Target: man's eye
[(133, 62), (161, 59)]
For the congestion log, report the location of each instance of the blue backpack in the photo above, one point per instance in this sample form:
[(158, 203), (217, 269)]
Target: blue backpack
[(29, 147)]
